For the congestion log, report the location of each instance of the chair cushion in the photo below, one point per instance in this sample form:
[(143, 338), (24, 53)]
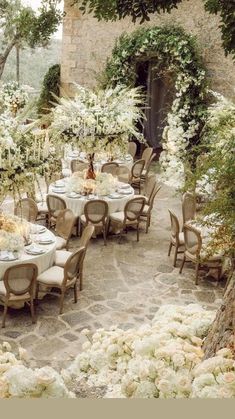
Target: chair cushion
[(52, 276), (60, 243), (42, 207), (84, 221), (181, 239), (117, 217), (145, 209), (61, 257)]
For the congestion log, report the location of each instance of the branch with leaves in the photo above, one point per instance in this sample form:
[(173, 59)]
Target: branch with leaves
[(22, 26)]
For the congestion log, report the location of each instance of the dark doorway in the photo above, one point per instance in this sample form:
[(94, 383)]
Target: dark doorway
[(160, 92)]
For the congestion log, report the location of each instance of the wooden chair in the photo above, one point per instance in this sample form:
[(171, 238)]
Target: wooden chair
[(132, 147), (147, 210), (146, 155), (63, 278), (18, 285), (123, 174), (136, 173), (147, 167), (188, 207), (62, 256), (78, 166), (27, 208), (96, 213), (177, 237), (55, 204), (193, 252), (65, 222), (110, 167), (130, 216)]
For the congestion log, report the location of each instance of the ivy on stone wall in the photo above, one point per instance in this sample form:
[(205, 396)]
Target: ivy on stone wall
[(142, 9), (172, 49)]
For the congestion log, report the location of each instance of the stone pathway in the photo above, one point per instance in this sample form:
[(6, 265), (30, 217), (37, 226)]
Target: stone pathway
[(124, 284)]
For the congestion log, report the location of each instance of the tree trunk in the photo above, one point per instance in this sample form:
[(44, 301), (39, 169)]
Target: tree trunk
[(4, 56), (222, 332), (17, 63)]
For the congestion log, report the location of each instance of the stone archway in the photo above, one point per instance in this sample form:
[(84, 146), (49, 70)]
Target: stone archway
[(172, 49)]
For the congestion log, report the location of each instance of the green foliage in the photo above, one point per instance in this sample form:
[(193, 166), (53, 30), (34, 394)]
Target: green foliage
[(51, 85), (217, 166), (226, 8), (172, 49), (22, 26), (142, 9)]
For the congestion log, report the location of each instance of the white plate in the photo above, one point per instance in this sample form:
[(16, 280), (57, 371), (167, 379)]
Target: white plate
[(58, 191), (74, 195), (124, 186), (126, 192), (114, 196), (8, 258), (34, 251)]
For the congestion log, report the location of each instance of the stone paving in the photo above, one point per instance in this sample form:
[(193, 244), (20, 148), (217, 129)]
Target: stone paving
[(124, 284)]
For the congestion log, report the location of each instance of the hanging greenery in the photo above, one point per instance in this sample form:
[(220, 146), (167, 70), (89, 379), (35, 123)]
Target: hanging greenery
[(176, 51)]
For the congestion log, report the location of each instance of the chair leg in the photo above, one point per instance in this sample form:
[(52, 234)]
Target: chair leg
[(175, 256), (62, 301), (32, 310), (75, 290), (104, 234), (81, 281), (36, 293), (120, 235), (197, 271), (138, 233), (4, 315), (182, 264), (170, 247)]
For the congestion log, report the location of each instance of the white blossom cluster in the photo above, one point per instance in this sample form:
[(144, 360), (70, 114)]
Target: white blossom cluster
[(162, 359), (17, 380), (99, 121), (104, 184), (13, 96)]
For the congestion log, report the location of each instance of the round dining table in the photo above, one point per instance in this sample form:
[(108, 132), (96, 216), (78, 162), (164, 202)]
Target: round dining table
[(116, 201), (45, 241)]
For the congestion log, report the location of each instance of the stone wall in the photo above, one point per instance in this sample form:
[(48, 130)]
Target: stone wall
[(88, 43)]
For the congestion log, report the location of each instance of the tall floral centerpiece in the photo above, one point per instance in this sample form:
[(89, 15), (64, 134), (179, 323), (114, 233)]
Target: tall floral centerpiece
[(23, 156), (99, 121)]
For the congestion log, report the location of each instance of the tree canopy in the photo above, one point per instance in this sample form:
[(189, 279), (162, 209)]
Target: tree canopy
[(21, 25), (142, 9)]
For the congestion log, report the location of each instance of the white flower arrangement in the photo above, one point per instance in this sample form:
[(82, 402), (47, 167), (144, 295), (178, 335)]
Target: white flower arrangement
[(161, 360), (104, 184), (18, 380), (13, 96), (99, 121)]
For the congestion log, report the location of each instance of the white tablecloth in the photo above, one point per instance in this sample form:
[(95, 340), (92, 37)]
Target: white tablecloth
[(77, 204), (43, 261)]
